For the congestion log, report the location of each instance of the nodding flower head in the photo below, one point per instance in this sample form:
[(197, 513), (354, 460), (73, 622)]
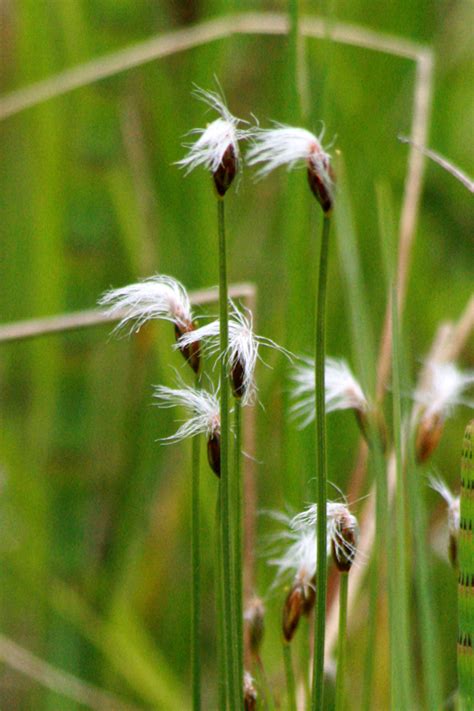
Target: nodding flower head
[(454, 514), (204, 418), (158, 297), (342, 531), (250, 693), (287, 145), (242, 351), (299, 562), (217, 147), (437, 398)]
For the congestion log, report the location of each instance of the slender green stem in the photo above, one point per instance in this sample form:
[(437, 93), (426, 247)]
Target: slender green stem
[(341, 642), (196, 574), (404, 699), (231, 643), (321, 474), (237, 499), (220, 633), (290, 677), (371, 634), (466, 575)]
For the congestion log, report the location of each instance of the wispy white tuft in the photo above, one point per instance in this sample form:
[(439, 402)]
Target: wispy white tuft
[(287, 145), (342, 390), (158, 297), (216, 138), (243, 345), (452, 502), (298, 561), (203, 408), (444, 390), (339, 519)]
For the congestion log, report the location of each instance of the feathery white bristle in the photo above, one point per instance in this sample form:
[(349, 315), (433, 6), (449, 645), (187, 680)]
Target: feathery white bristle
[(342, 390), (158, 297), (338, 517), (202, 405), (452, 502), (243, 345), (299, 559), (215, 139), (285, 145), (444, 390)]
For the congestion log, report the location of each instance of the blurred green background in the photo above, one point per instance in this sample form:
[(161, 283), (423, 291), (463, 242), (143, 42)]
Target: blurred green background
[(94, 513)]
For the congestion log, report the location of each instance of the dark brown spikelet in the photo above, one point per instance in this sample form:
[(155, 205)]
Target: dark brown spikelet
[(292, 611), (237, 378), (309, 597), (322, 185), (343, 552), (453, 550), (226, 171), (191, 353), (250, 694), (214, 453), (428, 436)]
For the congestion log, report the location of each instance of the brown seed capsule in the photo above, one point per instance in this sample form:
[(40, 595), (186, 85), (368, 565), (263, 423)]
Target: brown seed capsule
[(428, 436), (191, 352), (214, 453), (321, 183), (309, 597), (237, 378), (344, 544), (250, 693), (225, 173), (299, 601), (453, 550)]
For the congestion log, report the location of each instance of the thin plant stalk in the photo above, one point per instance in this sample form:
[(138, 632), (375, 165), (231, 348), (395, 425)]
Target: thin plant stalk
[(196, 575), (399, 572), (371, 633), (342, 640), (231, 644), (466, 575), (237, 505), (290, 676), (220, 633), (321, 474)]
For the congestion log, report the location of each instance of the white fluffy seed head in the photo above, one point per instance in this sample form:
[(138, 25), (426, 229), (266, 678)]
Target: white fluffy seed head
[(342, 390), (203, 408), (298, 561), (216, 138), (452, 502), (284, 145), (342, 528), (443, 391), (158, 297), (243, 346)]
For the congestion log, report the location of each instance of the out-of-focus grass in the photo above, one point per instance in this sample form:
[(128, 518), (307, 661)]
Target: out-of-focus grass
[(98, 509)]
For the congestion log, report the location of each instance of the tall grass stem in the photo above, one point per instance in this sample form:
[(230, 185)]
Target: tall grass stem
[(341, 642), (290, 676), (196, 574), (399, 572), (321, 473), (231, 643), (237, 499), (220, 631)]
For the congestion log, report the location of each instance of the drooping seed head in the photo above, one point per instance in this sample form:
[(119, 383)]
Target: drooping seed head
[(217, 147), (250, 693), (453, 505), (437, 398), (242, 352), (288, 145), (204, 417)]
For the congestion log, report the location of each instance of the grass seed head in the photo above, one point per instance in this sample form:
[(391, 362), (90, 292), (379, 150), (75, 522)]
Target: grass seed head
[(254, 619)]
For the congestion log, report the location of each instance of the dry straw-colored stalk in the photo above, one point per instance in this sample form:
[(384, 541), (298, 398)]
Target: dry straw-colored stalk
[(21, 660)]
